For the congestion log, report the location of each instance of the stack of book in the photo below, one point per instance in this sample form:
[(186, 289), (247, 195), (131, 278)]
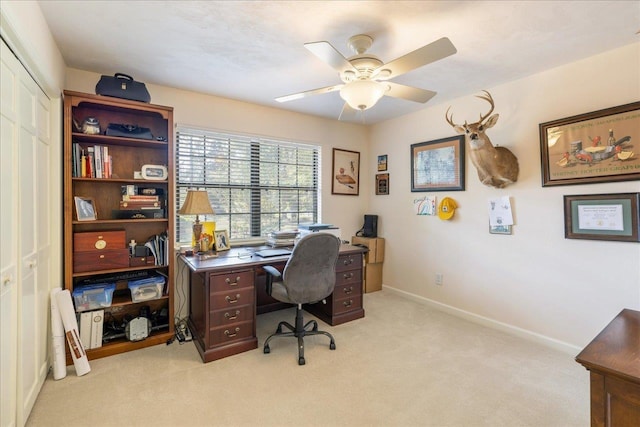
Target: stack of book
[(140, 203), (282, 238), (91, 161)]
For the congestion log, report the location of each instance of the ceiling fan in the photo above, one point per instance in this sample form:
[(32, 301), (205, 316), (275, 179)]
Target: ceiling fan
[(366, 78)]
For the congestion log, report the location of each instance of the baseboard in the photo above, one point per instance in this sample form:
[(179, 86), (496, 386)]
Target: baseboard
[(491, 323)]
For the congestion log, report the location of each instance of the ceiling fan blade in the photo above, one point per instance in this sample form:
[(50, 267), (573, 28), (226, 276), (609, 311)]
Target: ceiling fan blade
[(409, 93), (427, 54), (348, 113), (307, 93), (327, 53)]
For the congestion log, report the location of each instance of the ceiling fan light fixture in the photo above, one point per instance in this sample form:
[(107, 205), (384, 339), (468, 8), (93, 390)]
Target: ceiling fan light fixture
[(362, 94)]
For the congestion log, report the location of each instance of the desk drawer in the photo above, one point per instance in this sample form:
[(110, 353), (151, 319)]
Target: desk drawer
[(345, 305), (231, 299), (352, 290), (231, 315), (230, 281), (349, 262), (344, 279), (230, 333)]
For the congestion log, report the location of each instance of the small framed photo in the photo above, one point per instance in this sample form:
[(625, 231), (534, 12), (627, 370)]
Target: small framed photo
[(346, 171), (602, 217), (85, 208), (382, 183), (222, 240), (500, 229), (382, 163)]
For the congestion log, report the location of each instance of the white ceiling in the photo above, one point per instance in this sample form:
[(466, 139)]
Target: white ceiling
[(253, 50)]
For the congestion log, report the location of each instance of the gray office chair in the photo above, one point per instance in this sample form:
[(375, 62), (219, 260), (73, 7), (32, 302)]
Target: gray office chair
[(308, 277)]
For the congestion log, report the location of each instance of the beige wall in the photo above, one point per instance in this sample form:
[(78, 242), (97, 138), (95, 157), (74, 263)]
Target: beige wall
[(535, 279), (224, 114)]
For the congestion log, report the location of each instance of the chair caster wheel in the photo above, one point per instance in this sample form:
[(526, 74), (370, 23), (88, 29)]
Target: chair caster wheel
[(332, 346), (266, 349), (301, 361)]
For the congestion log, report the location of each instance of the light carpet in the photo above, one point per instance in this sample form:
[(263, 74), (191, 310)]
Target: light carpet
[(404, 364)]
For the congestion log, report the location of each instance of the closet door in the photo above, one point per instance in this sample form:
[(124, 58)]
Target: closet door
[(26, 251), (9, 130)]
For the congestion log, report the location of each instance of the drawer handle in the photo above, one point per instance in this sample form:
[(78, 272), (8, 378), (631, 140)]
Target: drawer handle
[(348, 290), (231, 317), (101, 256), (347, 276), (348, 261), (348, 303), (230, 283), (231, 335), (232, 301)]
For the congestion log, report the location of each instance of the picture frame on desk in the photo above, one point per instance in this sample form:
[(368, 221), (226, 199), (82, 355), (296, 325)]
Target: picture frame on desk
[(85, 208), (222, 240)]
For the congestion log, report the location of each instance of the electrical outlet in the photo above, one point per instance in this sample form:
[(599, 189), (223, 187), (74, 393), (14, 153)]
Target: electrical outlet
[(439, 279)]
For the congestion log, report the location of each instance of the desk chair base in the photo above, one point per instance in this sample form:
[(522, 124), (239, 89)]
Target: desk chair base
[(299, 331)]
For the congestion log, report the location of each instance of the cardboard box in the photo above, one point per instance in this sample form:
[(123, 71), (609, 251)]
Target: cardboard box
[(375, 246), (372, 277), (373, 261)]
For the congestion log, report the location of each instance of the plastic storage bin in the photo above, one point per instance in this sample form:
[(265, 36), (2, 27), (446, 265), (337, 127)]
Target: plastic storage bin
[(93, 297), (146, 289)]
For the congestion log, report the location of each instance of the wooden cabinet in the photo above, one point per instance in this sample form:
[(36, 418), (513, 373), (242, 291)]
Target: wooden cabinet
[(614, 365), (95, 250), (345, 303), (222, 312)]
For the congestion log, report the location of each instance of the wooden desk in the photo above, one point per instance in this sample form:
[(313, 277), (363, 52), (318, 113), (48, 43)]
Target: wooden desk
[(226, 293), (613, 358)]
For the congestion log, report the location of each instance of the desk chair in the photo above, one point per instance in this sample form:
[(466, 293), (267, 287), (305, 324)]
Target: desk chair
[(308, 277)]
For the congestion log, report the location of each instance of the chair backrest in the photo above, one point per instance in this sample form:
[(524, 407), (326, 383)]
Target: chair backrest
[(310, 273)]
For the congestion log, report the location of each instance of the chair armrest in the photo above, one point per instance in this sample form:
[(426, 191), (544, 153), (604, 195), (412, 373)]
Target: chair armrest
[(272, 273)]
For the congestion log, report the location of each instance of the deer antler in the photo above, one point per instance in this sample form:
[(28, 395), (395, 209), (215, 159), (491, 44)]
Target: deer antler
[(449, 120), (487, 97)]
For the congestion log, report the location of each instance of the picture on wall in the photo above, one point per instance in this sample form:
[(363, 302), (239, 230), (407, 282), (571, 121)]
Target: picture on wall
[(602, 217), (382, 183), (382, 163), (438, 165), (601, 146), (346, 171)]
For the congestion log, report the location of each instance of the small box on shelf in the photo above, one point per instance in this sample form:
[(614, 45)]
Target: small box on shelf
[(93, 297)]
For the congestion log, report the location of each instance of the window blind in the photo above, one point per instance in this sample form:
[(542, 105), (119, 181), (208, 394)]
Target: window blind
[(255, 185)]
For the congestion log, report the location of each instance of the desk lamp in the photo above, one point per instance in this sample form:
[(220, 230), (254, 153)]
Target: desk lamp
[(196, 203)]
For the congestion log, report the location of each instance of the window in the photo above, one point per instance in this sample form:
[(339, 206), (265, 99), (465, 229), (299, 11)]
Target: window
[(255, 185)]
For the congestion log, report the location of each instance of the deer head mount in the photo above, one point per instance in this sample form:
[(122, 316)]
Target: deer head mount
[(496, 166)]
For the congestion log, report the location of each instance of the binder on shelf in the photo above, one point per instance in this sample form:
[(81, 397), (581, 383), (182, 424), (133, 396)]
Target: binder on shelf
[(97, 323), (85, 328)]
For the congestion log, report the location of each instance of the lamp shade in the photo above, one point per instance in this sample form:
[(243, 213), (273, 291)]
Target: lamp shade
[(196, 203), (362, 94)]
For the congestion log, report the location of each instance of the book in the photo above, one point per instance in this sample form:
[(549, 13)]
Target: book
[(97, 150)]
